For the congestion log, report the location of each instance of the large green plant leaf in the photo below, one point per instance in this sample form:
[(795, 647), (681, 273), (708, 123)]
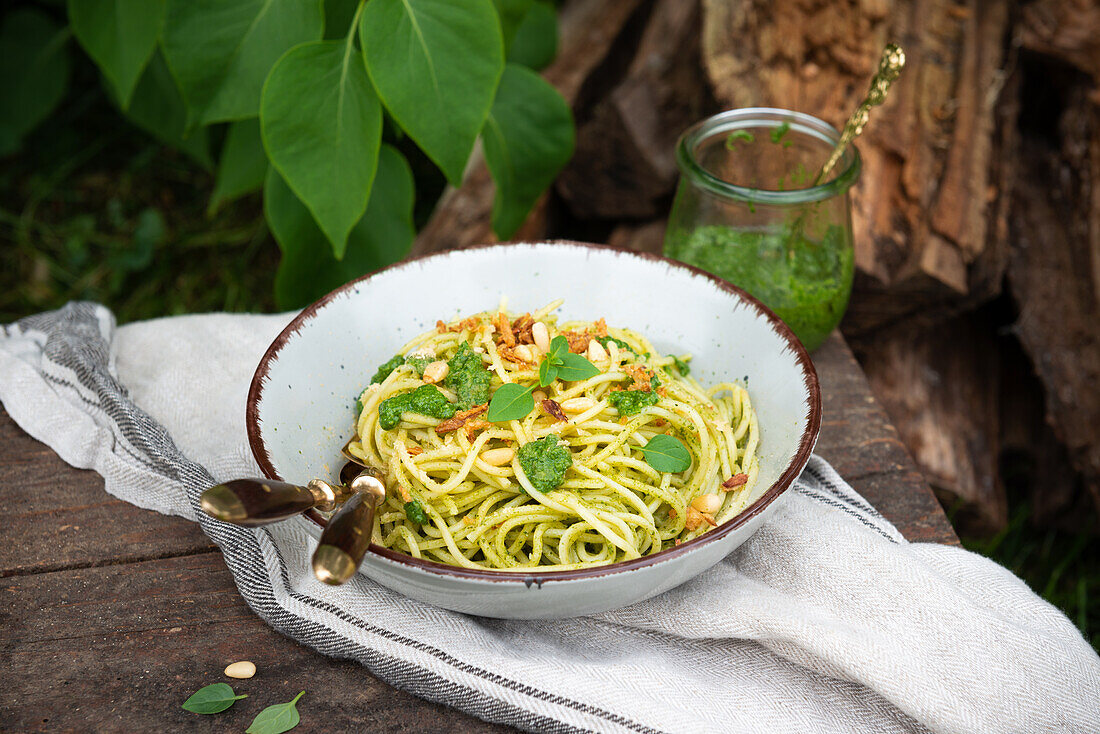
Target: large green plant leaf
[(34, 72), (158, 109), (528, 139), (535, 43), (383, 236), (120, 36), (435, 64), (242, 166), (322, 125), (511, 14), (220, 51)]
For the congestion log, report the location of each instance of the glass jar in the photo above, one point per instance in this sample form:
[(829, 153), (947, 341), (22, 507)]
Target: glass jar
[(747, 210)]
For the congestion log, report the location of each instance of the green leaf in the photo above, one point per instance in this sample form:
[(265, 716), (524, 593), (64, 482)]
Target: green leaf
[(548, 372), (528, 139), (34, 73), (510, 402), (157, 108), (559, 346), (667, 453), (276, 719), (212, 699), (536, 41), (382, 236), (435, 64), (120, 36), (511, 14), (221, 51), (575, 367), (322, 125), (243, 165)]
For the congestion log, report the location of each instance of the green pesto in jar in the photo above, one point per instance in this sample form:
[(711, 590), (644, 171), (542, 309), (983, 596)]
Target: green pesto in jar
[(805, 282)]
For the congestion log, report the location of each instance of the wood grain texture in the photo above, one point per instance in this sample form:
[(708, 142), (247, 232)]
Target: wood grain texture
[(118, 649), (110, 627)]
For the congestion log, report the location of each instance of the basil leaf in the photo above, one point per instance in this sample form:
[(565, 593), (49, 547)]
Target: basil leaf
[(276, 719), (667, 453), (559, 346), (575, 367), (547, 372), (211, 699), (510, 402)]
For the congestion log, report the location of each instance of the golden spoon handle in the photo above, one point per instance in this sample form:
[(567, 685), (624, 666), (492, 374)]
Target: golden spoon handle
[(889, 69)]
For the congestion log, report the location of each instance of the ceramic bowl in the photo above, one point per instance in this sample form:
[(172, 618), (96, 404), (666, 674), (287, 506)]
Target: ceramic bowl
[(301, 405)]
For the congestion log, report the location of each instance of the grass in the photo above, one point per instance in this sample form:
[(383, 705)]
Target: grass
[(1060, 566), (94, 209)]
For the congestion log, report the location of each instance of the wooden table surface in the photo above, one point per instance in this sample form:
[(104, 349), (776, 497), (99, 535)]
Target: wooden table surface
[(112, 615)]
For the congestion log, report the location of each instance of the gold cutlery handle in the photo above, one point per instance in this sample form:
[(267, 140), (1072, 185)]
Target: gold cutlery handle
[(347, 535), (263, 501)]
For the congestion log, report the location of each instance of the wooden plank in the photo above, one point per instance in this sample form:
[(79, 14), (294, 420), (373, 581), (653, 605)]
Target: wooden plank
[(858, 439), (118, 648), (59, 517)]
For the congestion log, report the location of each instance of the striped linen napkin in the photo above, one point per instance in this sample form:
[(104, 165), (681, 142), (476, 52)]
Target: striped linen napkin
[(826, 620)]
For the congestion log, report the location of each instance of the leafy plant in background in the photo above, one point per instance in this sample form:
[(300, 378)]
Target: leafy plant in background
[(313, 102)]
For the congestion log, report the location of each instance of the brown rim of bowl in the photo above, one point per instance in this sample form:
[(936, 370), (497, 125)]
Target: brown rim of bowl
[(533, 576)]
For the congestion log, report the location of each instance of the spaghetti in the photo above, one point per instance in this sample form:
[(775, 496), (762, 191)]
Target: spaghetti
[(572, 483)]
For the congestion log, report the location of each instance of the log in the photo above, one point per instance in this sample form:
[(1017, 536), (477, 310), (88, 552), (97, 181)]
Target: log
[(588, 30), (1054, 277), (941, 388), (625, 165), (927, 237)]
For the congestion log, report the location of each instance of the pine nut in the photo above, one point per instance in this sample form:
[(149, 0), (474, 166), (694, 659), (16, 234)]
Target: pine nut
[(242, 669), (524, 352), (541, 336), (707, 503), (596, 352), (577, 405), (539, 396), (498, 457), (436, 371)]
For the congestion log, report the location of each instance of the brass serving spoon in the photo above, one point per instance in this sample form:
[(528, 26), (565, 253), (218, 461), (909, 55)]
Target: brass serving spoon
[(346, 537)]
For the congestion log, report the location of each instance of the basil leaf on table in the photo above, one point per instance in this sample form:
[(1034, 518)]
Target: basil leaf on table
[(510, 402), (212, 699), (575, 367), (276, 719), (667, 453)]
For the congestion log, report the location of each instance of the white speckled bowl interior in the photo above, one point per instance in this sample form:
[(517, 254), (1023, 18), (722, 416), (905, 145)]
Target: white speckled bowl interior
[(301, 406)]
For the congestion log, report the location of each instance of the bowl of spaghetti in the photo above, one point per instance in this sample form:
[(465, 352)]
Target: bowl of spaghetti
[(562, 428)]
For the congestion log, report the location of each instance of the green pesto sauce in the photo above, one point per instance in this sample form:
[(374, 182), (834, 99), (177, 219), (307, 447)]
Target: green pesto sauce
[(415, 512), (425, 400), (544, 462), (468, 377), (806, 283)]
